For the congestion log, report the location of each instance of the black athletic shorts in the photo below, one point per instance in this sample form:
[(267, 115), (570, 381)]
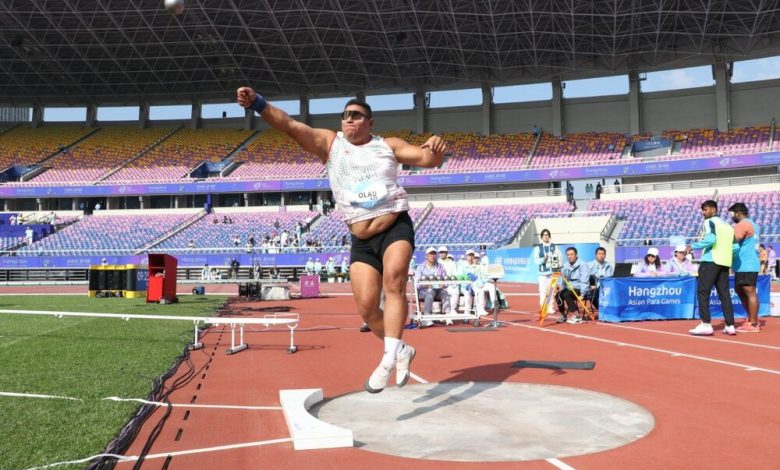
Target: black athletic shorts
[(372, 250), (745, 279)]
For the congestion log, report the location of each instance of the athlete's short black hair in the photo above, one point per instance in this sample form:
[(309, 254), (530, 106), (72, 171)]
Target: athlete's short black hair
[(709, 203), (571, 248), (360, 103), (739, 208), (601, 248)]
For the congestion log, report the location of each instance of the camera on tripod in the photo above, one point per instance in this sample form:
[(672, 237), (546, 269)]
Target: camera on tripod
[(554, 261)]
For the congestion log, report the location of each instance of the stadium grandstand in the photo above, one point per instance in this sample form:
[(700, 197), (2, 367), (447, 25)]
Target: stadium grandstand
[(120, 137)]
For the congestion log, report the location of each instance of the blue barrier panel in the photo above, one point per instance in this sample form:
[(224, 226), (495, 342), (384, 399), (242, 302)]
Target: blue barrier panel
[(660, 298), (520, 266), (762, 289)]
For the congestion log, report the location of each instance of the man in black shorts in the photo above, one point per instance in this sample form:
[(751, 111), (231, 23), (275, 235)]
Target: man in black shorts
[(745, 265), (362, 169)]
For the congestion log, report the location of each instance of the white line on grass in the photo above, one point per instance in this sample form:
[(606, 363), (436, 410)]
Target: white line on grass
[(191, 405), (647, 348), (133, 458), (35, 395)]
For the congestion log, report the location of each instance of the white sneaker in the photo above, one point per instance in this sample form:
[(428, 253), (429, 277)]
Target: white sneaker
[(426, 324), (403, 364), (729, 330), (483, 312), (448, 322), (702, 329), (378, 379)]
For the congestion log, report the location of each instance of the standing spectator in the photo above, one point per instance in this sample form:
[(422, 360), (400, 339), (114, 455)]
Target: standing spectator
[(763, 258), (599, 269), (535, 130), (277, 225), (714, 268), (310, 266), (191, 244), (745, 265), (772, 261), (598, 190), (97, 206), (318, 267), (234, 266), (298, 230), (617, 185), (544, 255), (205, 273), (29, 235)]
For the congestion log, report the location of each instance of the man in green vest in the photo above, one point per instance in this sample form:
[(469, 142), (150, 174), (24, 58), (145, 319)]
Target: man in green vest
[(714, 269)]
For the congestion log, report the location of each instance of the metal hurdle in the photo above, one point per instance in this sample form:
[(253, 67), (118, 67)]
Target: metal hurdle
[(290, 320)]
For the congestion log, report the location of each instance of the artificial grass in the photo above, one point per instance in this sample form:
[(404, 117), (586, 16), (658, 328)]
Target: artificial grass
[(85, 358)]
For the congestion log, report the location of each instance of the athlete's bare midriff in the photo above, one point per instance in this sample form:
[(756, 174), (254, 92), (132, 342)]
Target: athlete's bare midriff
[(366, 229)]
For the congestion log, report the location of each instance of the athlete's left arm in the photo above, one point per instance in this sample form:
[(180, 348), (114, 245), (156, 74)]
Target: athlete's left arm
[(428, 155)]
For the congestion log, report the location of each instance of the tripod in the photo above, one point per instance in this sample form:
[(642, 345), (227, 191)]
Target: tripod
[(550, 292)]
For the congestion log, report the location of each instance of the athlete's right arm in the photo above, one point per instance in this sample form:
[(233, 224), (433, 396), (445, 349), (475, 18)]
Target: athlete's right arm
[(316, 141)]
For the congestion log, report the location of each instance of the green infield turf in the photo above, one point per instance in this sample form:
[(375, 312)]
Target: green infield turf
[(84, 358)]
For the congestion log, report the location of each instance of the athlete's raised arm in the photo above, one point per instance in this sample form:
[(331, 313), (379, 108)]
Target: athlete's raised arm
[(316, 141)]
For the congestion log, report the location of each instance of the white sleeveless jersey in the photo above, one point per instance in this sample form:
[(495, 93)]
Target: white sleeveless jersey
[(363, 179)]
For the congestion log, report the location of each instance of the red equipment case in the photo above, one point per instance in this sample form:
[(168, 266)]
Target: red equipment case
[(162, 279)]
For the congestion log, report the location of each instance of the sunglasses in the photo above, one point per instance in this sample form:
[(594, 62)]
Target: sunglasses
[(353, 115)]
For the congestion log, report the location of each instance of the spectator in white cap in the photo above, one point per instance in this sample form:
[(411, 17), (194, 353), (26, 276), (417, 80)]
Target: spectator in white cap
[(483, 259), (431, 268), (310, 266), (651, 265), (679, 265), (447, 260), (470, 269)]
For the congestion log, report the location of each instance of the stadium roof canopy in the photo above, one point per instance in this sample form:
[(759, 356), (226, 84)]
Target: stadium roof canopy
[(115, 51)]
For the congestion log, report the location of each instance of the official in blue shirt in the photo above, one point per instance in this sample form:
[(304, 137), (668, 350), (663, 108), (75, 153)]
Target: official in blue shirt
[(577, 274), (599, 269)]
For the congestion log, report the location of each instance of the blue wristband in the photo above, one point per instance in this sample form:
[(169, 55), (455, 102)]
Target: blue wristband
[(259, 104)]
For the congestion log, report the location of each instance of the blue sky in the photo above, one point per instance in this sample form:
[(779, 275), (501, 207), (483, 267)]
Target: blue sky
[(744, 71)]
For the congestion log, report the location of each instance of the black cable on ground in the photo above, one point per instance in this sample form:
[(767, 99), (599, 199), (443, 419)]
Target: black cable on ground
[(129, 431)]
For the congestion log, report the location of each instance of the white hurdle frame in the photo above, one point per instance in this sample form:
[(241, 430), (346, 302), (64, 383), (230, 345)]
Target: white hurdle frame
[(288, 319)]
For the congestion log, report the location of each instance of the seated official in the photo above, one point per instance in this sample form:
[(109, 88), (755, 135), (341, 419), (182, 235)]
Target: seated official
[(274, 272), (448, 261), (431, 267), (310, 266), (577, 273), (651, 265), (482, 286), (470, 269), (599, 269), (680, 265)]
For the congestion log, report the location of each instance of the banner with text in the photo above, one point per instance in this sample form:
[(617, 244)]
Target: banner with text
[(631, 298)]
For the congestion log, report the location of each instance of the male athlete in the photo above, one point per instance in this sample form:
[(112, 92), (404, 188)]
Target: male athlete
[(362, 169)]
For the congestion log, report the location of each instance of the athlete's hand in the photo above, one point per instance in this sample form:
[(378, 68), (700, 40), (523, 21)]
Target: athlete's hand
[(246, 96), (436, 144)]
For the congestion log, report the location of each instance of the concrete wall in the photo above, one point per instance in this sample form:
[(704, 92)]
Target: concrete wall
[(597, 114), (679, 109), (755, 103)]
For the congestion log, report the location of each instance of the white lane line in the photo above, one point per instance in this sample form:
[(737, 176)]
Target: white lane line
[(191, 405), (559, 464), (133, 458), (671, 333), (700, 338), (647, 348), (417, 378), (35, 395)]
